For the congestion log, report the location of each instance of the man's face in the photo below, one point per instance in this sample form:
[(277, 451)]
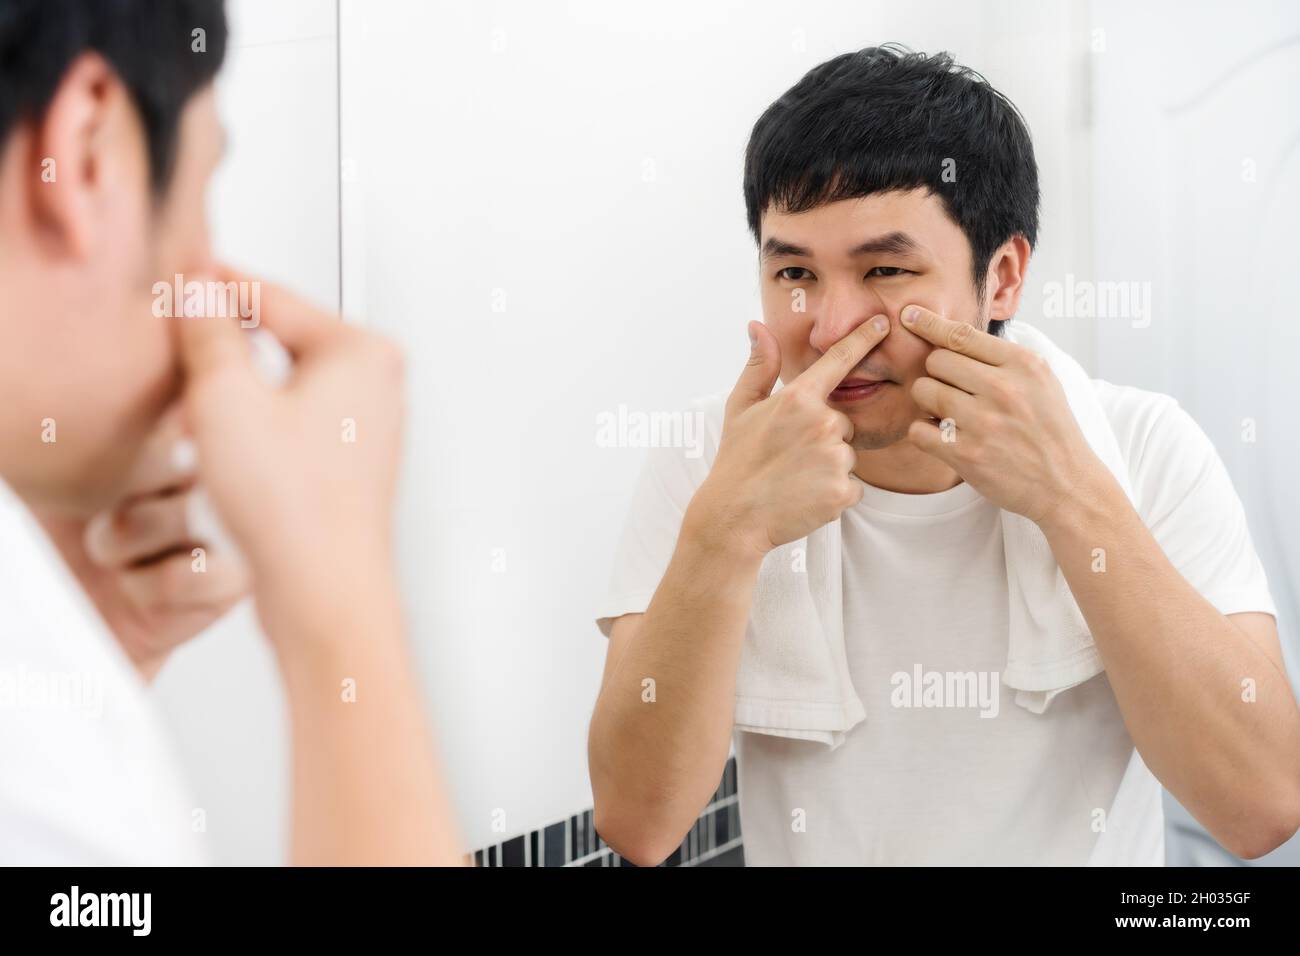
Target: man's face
[(89, 363), (829, 269)]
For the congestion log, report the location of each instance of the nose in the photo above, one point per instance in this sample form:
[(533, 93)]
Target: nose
[(841, 310)]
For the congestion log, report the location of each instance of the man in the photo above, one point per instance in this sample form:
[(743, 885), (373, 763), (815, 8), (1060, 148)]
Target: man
[(108, 137), (894, 200)]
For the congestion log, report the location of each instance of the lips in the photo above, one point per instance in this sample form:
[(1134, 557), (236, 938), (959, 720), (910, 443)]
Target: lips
[(855, 389)]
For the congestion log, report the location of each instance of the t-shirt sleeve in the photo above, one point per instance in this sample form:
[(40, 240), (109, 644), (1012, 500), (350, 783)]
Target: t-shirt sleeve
[(1187, 499), (667, 482)]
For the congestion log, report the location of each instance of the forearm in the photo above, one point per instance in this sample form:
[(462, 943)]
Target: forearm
[(366, 786), (657, 750), (1177, 668)]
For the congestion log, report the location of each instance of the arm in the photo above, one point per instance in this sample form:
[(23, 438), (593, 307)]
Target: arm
[(312, 513), (1177, 667), (782, 470), (365, 783), (655, 763), (1176, 664)]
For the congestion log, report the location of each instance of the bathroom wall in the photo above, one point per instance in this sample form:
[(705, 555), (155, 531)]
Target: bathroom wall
[(1196, 194)]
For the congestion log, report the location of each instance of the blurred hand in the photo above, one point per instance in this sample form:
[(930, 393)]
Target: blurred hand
[(136, 560), (303, 475)]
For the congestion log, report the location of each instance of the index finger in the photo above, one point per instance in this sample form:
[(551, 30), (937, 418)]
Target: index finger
[(843, 357), (956, 336), (297, 324)]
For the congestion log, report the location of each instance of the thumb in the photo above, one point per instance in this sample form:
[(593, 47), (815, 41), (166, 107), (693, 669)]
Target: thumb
[(760, 372)]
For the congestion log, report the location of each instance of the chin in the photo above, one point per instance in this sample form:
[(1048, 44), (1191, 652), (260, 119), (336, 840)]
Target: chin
[(872, 435), (94, 478)]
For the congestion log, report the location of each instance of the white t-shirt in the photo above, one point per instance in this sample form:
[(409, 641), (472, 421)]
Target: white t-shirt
[(86, 774), (925, 578)]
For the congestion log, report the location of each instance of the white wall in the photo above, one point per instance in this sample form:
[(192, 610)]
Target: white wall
[(274, 208), (1198, 193), (544, 207)]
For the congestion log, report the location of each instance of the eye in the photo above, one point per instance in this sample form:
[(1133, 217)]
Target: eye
[(887, 272), (794, 274)]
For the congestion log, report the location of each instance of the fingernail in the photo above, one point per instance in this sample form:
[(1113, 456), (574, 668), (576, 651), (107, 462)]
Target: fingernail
[(880, 323), (185, 457), (753, 337), (909, 314)]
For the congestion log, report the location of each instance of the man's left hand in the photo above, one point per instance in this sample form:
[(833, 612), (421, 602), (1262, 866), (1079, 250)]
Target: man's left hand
[(136, 560), (1003, 421)]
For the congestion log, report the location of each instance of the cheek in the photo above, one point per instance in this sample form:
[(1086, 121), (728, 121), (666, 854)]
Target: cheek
[(182, 243), (910, 358)]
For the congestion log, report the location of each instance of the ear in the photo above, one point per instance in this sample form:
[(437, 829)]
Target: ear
[(89, 143), (1006, 278)]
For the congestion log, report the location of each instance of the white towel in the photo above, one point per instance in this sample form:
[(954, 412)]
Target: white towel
[(793, 679)]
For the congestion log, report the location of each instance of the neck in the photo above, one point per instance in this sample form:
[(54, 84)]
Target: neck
[(904, 468)]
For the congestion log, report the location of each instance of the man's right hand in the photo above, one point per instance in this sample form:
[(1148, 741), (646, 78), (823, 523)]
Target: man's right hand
[(784, 464), (302, 475)]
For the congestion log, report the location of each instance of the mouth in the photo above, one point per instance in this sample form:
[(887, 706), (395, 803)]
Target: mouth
[(856, 390)]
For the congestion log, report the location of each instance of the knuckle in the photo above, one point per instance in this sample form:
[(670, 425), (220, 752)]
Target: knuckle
[(849, 493), (1003, 391), (1034, 363), (959, 336), (161, 587), (804, 402), (841, 351), (129, 525)]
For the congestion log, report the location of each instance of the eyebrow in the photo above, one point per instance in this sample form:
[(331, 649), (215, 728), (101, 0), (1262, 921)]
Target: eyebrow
[(895, 243)]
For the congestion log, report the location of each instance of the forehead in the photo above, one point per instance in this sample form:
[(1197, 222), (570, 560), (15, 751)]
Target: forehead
[(834, 227)]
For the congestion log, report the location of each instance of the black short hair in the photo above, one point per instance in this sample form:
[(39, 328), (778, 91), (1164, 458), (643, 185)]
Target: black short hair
[(148, 43), (886, 118)]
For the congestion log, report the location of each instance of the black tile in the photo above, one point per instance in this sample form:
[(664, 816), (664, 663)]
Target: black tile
[(553, 845), (733, 857), (567, 841), (512, 852)]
